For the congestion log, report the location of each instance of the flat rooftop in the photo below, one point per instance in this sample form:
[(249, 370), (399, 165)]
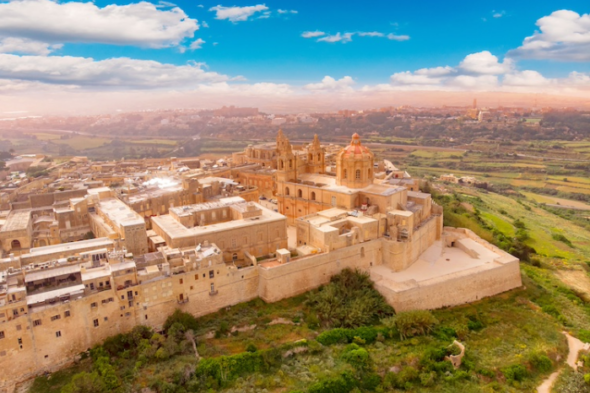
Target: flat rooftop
[(439, 263), (329, 182), (175, 229), (101, 242), (119, 213), (17, 220)]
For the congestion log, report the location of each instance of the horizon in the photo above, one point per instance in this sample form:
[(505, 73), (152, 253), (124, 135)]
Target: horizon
[(90, 58)]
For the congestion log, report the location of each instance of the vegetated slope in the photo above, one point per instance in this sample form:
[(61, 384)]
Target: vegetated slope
[(312, 344)]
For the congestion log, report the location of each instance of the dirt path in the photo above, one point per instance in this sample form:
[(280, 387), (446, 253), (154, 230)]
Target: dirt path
[(574, 347)]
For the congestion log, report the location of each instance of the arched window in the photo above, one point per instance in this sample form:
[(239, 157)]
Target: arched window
[(319, 157), (345, 175), (281, 164), (358, 174), (287, 191), (310, 157), (299, 194), (313, 196), (290, 164), (15, 244)]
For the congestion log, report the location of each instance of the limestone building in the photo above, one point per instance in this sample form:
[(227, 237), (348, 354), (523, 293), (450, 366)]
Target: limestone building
[(243, 230), (60, 299)]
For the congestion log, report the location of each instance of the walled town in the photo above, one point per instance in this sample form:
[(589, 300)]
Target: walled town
[(105, 246)]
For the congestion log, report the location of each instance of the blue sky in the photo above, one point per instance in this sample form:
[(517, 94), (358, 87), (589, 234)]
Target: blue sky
[(272, 49), (249, 48)]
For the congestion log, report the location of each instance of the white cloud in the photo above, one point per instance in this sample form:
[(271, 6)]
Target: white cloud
[(312, 34), (280, 11), (26, 46), (237, 14), (196, 44), (498, 14), (394, 37), (371, 34), (141, 24), (246, 90), (485, 63), (265, 15), (344, 38), (526, 78), (470, 82), (205, 24), (118, 73), (436, 71), (331, 84), (564, 36)]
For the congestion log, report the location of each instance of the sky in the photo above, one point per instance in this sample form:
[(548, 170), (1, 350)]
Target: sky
[(75, 56)]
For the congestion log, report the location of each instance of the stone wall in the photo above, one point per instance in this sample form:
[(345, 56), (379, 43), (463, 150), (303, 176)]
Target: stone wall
[(304, 274)]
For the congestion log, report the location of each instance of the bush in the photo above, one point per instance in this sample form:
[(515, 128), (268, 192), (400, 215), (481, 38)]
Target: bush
[(188, 321), (357, 357), (84, 383), (414, 323), (541, 362), (368, 334), (349, 300), (343, 383), (516, 372), (251, 348)]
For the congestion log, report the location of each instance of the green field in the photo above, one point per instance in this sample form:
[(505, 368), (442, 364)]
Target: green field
[(83, 142)]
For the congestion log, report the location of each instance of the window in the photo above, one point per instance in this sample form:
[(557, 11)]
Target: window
[(93, 305), (127, 314), (122, 308), (2, 334), (37, 322), (299, 193), (55, 317), (67, 313), (212, 287), (196, 277), (106, 319), (92, 286), (313, 196), (290, 164), (345, 174), (180, 281), (211, 274), (111, 300), (287, 191), (281, 164), (358, 174), (95, 322), (58, 333)]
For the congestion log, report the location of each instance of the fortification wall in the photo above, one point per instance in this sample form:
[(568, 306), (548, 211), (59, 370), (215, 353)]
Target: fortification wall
[(302, 275), (399, 256), (469, 286)]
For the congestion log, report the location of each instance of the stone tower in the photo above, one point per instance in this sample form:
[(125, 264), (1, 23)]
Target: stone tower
[(316, 156), (286, 164), (354, 165)]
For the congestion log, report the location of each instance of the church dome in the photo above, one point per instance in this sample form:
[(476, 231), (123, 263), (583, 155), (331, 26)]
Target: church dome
[(355, 149)]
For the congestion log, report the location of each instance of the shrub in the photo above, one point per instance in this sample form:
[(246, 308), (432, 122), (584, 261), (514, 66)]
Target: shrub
[(541, 362), (349, 300), (516, 372), (84, 383), (343, 383), (414, 323), (584, 335), (251, 348), (188, 321)]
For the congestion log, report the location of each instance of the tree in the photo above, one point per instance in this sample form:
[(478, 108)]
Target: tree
[(84, 383)]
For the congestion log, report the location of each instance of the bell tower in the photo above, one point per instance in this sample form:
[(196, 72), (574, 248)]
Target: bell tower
[(316, 156), (286, 160)]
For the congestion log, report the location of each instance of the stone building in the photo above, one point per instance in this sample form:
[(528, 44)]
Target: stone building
[(243, 230), (58, 300)]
